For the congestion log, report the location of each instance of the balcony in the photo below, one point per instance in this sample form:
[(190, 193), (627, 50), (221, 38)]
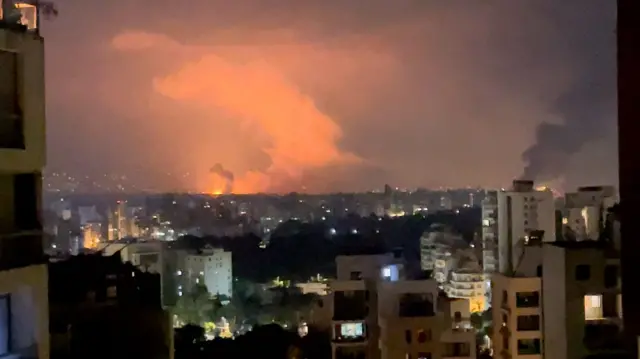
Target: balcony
[(457, 350), (350, 353), (350, 305), (412, 305), (603, 338), (21, 250)]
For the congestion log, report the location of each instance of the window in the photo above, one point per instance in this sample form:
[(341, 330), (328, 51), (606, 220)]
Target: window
[(593, 307), (459, 349), (457, 317), (528, 346), (26, 187), (5, 324), (539, 271), (583, 272), (528, 323), (11, 124), (355, 275), (423, 355), (407, 336), (611, 276), (505, 298), (527, 299), (424, 336)]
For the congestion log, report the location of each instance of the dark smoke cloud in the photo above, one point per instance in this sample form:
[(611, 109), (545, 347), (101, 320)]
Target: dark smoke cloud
[(587, 110), (227, 175)]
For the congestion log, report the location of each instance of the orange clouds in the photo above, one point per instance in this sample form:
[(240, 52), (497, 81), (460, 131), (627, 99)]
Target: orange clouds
[(300, 137), (292, 131)]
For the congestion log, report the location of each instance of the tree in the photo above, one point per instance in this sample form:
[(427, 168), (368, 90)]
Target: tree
[(316, 344), (477, 321), (196, 306), (187, 340)]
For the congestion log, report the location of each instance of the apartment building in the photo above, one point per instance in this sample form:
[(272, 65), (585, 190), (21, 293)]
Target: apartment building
[(585, 211), (434, 242), (490, 232), (377, 311), (101, 307), (522, 210), (563, 300), (468, 283), (517, 307), (209, 266), (24, 324)]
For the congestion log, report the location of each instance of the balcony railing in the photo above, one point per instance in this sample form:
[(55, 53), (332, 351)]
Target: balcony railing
[(21, 249)]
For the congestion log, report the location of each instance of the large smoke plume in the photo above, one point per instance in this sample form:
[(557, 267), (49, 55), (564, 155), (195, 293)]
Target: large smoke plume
[(587, 109)]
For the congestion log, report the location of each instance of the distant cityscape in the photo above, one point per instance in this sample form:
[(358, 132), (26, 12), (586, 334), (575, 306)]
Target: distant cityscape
[(102, 268)]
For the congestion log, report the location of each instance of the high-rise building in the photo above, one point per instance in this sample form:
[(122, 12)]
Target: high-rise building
[(490, 232), (521, 211), (24, 323), (122, 223)]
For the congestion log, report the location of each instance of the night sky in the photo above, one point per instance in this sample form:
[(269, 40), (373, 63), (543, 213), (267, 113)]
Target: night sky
[(324, 95)]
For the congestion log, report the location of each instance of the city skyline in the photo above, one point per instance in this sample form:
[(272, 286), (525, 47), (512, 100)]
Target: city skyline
[(155, 88)]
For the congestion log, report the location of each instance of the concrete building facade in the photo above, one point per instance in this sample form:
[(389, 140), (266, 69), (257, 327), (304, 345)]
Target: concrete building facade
[(24, 324), (586, 211), (490, 232), (521, 211), (376, 311), (562, 301), (211, 267)]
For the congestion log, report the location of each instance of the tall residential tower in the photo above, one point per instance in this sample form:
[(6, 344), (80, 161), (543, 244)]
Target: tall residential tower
[(24, 323)]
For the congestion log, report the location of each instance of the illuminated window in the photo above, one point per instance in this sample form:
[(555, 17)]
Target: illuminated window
[(29, 15), (593, 307)]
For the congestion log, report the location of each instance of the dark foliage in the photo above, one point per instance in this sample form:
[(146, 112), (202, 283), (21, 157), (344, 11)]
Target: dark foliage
[(299, 250), (268, 341), (316, 344)]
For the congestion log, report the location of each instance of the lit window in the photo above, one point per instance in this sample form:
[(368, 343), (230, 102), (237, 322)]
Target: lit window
[(593, 307)]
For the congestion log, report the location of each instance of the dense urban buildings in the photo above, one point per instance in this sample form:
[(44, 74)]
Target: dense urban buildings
[(548, 266), (377, 310)]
